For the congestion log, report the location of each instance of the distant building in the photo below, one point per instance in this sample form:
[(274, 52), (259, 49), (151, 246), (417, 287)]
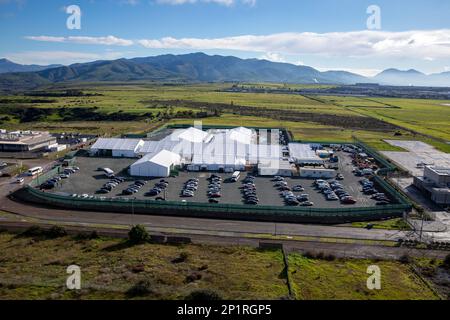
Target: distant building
[(435, 184), (25, 141)]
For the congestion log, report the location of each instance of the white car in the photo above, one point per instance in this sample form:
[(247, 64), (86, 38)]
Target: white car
[(20, 180)]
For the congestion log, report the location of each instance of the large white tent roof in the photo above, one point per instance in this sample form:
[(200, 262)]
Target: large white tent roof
[(164, 158), (117, 144), (191, 134)]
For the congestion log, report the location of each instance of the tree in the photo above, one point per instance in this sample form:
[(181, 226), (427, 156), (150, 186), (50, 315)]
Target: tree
[(138, 234)]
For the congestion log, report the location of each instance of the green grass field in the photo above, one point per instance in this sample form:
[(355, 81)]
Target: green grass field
[(430, 118), (346, 280)]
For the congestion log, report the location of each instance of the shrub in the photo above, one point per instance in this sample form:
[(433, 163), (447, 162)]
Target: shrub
[(405, 259), (138, 234), (87, 236), (309, 255), (330, 257), (195, 276), (52, 233), (182, 258), (142, 288), (446, 263), (33, 231), (203, 295), (56, 232)]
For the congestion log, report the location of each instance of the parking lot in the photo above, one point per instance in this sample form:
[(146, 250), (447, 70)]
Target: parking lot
[(88, 180)]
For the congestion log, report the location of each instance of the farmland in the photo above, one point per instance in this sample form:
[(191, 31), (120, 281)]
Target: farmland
[(112, 109)]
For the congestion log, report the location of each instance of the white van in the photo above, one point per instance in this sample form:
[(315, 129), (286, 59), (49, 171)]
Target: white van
[(34, 171), (235, 177), (109, 173)]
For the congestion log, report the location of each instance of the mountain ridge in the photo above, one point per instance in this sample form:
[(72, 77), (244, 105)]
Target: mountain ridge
[(8, 66), (200, 67)]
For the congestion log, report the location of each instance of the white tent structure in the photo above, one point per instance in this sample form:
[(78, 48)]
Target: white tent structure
[(191, 134), (122, 148), (155, 165), (303, 154)]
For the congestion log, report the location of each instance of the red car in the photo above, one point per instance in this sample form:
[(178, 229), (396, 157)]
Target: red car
[(348, 200)]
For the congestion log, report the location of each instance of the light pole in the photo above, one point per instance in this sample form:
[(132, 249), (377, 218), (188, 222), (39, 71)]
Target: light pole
[(132, 207)]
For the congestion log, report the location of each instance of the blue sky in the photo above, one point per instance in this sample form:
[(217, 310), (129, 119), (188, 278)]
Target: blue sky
[(326, 34)]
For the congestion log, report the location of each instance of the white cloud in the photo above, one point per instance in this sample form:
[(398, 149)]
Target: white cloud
[(108, 40), (60, 57), (275, 57), (430, 45), (227, 3), (412, 44)]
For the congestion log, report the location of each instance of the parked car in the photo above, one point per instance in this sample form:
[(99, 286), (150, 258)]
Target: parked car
[(298, 188), (307, 204), (20, 180)]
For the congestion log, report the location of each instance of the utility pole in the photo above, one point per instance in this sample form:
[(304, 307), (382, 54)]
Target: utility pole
[(421, 227), (132, 210)]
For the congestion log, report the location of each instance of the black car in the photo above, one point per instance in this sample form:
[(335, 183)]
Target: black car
[(212, 200), (153, 193)]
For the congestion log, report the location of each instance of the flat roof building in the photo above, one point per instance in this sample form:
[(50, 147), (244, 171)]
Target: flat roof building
[(303, 154), (435, 183), (25, 141)]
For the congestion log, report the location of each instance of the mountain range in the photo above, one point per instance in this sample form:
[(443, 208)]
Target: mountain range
[(7, 66), (199, 67)]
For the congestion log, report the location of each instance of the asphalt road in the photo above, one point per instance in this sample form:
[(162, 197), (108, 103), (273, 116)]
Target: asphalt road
[(197, 225)]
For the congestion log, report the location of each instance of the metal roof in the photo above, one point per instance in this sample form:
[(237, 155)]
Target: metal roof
[(301, 151), (117, 144)]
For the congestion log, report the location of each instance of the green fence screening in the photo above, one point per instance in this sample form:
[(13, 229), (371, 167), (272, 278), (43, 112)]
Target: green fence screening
[(206, 210)]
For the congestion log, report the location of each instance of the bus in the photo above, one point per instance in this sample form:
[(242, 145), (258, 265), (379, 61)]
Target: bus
[(34, 171), (235, 177)]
